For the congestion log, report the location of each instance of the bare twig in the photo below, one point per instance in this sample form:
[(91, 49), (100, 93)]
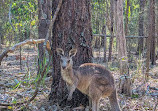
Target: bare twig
[(52, 23), (102, 35)]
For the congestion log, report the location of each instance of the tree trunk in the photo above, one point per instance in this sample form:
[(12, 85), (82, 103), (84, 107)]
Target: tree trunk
[(1, 34), (152, 32), (44, 16), (156, 14), (97, 41), (122, 52), (111, 30), (126, 24), (115, 21), (151, 37), (105, 42), (141, 27), (0, 42), (72, 28)]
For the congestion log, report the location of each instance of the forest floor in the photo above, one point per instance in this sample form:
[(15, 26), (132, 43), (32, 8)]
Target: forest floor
[(18, 83)]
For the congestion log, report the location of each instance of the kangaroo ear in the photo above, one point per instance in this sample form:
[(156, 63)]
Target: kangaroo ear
[(72, 52), (60, 51)]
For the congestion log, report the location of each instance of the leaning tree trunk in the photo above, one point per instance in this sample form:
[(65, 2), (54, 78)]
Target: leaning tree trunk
[(125, 83), (72, 28), (44, 16)]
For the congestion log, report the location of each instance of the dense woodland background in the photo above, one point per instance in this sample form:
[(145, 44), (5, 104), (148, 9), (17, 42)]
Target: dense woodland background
[(122, 35)]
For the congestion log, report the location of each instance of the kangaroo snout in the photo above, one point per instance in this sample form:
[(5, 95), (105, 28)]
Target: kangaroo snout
[(63, 67)]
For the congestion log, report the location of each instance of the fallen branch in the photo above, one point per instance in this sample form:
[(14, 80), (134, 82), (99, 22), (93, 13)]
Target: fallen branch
[(153, 88), (18, 45), (153, 94)]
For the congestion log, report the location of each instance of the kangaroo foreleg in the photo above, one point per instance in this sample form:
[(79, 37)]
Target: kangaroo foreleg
[(72, 89)]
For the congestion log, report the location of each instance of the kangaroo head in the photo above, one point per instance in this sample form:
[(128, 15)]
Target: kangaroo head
[(66, 61)]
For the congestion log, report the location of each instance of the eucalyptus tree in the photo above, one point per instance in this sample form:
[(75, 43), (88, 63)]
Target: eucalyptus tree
[(72, 28)]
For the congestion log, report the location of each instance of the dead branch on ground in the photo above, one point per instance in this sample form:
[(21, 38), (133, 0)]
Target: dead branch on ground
[(153, 88), (18, 45)]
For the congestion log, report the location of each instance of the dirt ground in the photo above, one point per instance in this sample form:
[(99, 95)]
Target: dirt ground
[(18, 82)]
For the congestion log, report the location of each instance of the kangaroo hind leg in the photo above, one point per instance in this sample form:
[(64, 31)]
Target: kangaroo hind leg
[(113, 102)]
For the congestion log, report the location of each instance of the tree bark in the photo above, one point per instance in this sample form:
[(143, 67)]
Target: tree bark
[(0, 42), (125, 83), (115, 21), (152, 32), (105, 42), (1, 35), (156, 14), (151, 37), (97, 41), (141, 27), (126, 24), (128, 41), (72, 28), (112, 29)]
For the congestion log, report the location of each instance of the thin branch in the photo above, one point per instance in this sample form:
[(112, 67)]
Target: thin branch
[(102, 35), (52, 22)]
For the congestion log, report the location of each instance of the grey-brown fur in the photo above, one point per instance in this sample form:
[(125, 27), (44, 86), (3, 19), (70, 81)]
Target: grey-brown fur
[(91, 79)]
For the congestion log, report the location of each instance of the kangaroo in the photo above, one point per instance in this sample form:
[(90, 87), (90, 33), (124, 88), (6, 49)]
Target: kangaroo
[(91, 79)]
